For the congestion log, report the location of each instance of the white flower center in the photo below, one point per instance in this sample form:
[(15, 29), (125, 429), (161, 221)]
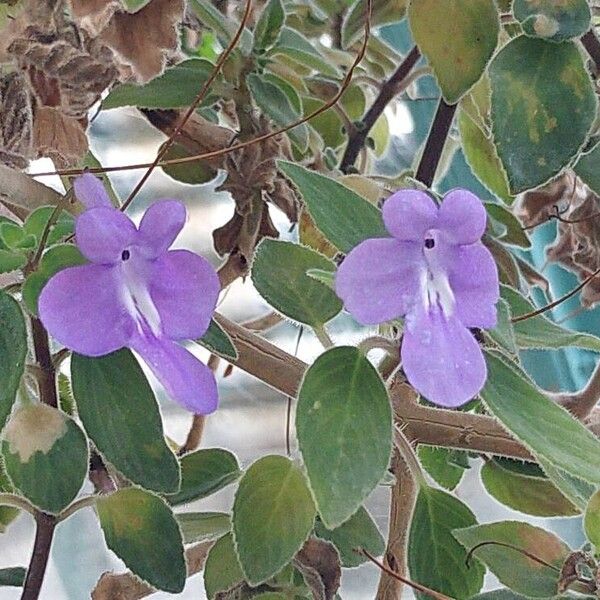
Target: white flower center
[(435, 286), (136, 295)]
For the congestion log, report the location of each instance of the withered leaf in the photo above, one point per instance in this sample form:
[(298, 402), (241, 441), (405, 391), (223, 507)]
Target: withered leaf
[(58, 136), (319, 563), (93, 15), (143, 39), (16, 120)]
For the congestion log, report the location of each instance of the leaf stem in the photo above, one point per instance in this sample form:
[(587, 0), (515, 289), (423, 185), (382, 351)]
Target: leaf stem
[(323, 336), (388, 90), (7, 499), (434, 145), (78, 504)]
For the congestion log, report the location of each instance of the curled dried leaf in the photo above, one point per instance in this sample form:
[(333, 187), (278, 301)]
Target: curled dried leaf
[(16, 120), (319, 563)]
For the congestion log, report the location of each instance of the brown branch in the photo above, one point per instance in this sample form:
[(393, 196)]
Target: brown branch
[(388, 90), (403, 498), (194, 105), (435, 143), (47, 371), (126, 586), (436, 427), (44, 533), (592, 46), (261, 138)]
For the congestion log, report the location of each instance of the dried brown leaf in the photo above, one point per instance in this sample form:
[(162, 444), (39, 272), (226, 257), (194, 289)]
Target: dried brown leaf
[(93, 15), (58, 136), (319, 563), (16, 121), (142, 40)]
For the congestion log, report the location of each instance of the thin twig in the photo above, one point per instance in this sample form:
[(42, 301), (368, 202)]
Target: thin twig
[(412, 584), (388, 90), (435, 143), (560, 300), (194, 105), (533, 557), (261, 138), (47, 377)]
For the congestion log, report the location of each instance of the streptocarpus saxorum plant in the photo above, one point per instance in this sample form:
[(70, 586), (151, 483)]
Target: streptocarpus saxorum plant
[(353, 117)]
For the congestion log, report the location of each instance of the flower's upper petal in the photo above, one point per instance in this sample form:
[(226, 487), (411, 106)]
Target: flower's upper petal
[(474, 282), (379, 279), (160, 225), (80, 308), (441, 358), (90, 191), (186, 380), (462, 217), (408, 214), (103, 233), (185, 289)]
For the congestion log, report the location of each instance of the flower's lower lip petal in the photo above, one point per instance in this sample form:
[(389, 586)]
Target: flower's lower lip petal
[(187, 380), (184, 288), (80, 308), (379, 279), (103, 233), (441, 359)]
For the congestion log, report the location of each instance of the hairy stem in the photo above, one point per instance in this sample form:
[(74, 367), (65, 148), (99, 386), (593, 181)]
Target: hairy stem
[(47, 373), (388, 90), (592, 46), (39, 558), (581, 404), (404, 494), (435, 143)]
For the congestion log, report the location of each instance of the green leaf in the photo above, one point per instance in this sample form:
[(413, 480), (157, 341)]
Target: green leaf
[(13, 576), (504, 334), (539, 332), (325, 277), (13, 350), (513, 230), (54, 260), (542, 425), (591, 521), (194, 173), (14, 237), (382, 13), (119, 412), (435, 558), (359, 531), (45, 455), (457, 38), (7, 513), (543, 105), (344, 217), (438, 463), (203, 526), (177, 87), (216, 340), (203, 473), (222, 570), (37, 221), (224, 27), (269, 25), (553, 20), (273, 514), (575, 489), (294, 45), (513, 569), (279, 275), (142, 531), (529, 495), (588, 168), (277, 106), (11, 261), (344, 429)]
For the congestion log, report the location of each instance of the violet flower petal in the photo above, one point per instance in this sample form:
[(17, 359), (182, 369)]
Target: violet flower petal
[(186, 380), (80, 308), (462, 217), (160, 225), (103, 233), (379, 279), (408, 214), (185, 290), (90, 191), (474, 282), (441, 358)]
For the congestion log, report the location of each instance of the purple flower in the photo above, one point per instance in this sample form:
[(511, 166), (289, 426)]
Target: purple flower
[(136, 293), (435, 272)]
